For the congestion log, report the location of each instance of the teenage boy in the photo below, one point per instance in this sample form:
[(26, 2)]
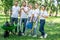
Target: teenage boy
[(23, 16), (14, 14), (43, 16)]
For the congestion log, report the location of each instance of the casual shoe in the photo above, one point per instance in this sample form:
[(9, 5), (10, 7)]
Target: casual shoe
[(22, 34), (16, 33), (29, 35), (10, 33), (19, 34), (34, 35), (45, 36), (41, 37)]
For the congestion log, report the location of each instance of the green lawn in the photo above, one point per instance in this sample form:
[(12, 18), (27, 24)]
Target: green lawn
[(52, 28)]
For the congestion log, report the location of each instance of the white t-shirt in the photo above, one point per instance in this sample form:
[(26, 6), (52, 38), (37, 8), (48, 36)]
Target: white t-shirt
[(30, 12), (15, 11), (23, 14), (43, 13), (36, 12)]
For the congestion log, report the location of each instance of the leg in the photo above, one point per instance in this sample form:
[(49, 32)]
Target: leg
[(35, 29), (20, 28), (34, 32), (42, 23), (12, 21), (25, 20), (21, 22), (16, 22)]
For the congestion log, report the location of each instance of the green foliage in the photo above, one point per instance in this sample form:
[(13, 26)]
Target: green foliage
[(7, 4), (32, 1)]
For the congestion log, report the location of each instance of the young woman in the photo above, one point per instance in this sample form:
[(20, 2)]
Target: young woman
[(30, 20), (43, 16), (36, 14)]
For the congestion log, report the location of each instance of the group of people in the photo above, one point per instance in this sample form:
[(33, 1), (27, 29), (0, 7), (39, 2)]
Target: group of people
[(29, 13)]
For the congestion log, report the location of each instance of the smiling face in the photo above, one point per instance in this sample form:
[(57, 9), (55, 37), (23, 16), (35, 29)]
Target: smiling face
[(16, 3), (24, 3), (43, 8), (36, 5), (30, 6)]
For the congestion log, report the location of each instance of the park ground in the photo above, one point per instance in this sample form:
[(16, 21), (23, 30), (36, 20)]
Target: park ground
[(52, 28)]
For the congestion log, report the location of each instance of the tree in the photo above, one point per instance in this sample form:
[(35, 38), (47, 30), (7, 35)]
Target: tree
[(7, 4)]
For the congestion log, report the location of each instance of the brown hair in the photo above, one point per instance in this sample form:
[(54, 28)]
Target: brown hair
[(43, 6), (24, 1)]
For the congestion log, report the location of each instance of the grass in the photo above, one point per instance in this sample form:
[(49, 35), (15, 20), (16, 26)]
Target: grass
[(52, 28)]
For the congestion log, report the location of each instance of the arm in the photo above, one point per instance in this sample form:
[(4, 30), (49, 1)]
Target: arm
[(32, 17), (45, 15), (26, 11), (33, 23), (20, 12)]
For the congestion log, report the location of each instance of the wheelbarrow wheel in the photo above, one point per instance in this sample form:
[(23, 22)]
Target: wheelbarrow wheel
[(6, 34)]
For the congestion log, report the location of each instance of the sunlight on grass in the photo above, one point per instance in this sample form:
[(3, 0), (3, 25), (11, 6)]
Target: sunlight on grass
[(52, 28)]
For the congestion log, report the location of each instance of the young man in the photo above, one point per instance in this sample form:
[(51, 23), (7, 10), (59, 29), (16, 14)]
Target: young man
[(43, 16), (23, 16), (30, 19), (36, 14), (14, 14)]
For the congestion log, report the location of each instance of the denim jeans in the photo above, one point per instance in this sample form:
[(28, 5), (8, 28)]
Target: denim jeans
[(35, 27), (14, 20), (28, 31), (41, 29), (23, 21)]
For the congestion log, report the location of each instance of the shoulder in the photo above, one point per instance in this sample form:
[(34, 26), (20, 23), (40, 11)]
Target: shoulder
[(18, 6), (27, 7), (13, 6), (45, 11)]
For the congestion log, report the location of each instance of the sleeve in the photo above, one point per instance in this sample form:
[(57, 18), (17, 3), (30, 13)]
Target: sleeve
[(46, 13), (38, 12), (32, 11)]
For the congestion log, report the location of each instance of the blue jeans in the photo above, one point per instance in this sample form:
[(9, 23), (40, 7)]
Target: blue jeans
[(14, 20), (42, 23), (28, 30), (23, 21), (35, 28)]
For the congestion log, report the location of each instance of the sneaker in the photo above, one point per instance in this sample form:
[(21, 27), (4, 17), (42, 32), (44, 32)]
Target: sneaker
[(29, 35), (10, 33), (22, 34), (41, 37), (45, 36), (16, 33), (34, 35)]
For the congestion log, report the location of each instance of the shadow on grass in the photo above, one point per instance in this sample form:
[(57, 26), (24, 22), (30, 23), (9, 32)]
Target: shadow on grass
[(15, 37)]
